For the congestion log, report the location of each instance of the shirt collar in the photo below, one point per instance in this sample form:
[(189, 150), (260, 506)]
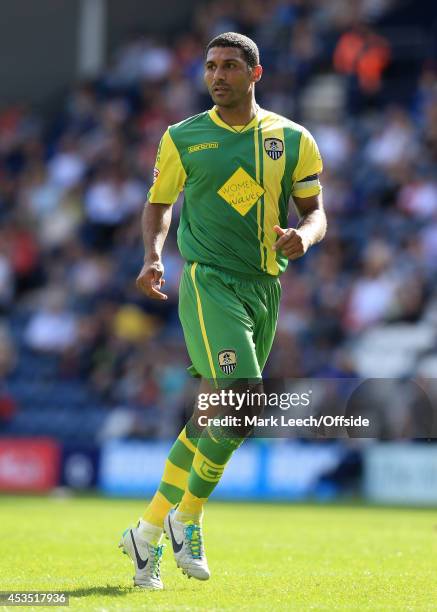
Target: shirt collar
[(215, 117)]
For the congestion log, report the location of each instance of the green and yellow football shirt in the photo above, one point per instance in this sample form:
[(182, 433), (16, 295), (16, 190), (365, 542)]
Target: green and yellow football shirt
[(237, 184)]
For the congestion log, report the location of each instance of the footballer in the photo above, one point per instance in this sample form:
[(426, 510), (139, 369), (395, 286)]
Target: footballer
[(238, 165)]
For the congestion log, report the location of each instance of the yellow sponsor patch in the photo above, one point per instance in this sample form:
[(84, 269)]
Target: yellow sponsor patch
[(203, 146), (209, 472), (241, 191), (207, 469)]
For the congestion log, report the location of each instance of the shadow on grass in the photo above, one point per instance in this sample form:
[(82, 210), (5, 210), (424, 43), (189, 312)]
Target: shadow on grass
[(109, 590)]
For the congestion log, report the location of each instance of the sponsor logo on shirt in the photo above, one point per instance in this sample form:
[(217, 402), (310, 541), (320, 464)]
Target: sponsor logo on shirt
[(203, 146), (241, 191)]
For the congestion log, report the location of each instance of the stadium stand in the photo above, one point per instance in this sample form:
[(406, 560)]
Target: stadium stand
[(80, 346)]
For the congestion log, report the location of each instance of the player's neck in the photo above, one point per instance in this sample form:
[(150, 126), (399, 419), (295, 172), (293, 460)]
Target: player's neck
[(239, 115)]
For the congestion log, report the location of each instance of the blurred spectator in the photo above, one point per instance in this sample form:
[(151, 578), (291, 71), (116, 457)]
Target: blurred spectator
[(364, 54), (110, 199), (52, 328), (418, 197), (396, 142), (66, 168), (8, 353), (372, 294), (8, 361), (6, 283)]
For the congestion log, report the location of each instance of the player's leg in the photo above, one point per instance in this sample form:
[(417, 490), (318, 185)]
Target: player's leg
[(263, 299), (174, 479), (223, 328), (142, 543), (239, 318)]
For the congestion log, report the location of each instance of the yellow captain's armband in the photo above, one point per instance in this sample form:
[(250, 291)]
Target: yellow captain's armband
[(169, 175)]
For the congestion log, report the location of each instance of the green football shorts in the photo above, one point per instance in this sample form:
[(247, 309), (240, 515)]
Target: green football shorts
[(229, 323)]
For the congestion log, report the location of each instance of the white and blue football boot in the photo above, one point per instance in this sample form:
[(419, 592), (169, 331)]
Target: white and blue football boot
[(188, 549), (145, 557)]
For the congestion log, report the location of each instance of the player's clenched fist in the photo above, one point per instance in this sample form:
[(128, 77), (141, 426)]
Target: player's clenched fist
[(291, 242), (150, 280)]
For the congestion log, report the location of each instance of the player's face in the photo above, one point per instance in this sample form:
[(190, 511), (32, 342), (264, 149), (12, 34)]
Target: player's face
[(228, 77)]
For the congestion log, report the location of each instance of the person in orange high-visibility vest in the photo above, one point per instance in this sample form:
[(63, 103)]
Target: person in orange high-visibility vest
[(362, 52)]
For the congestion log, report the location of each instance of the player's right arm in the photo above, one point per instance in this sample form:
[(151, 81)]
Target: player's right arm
[(168, 180), (155, 224)]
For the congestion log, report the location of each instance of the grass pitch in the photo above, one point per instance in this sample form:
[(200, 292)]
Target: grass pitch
[(262, 557)]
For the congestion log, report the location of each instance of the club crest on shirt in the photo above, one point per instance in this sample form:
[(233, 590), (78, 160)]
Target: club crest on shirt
[(227, 361), (274, 147), (155, 174)]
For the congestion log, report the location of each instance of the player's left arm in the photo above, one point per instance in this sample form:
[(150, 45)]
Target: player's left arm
[(307, 196), (310, 230)]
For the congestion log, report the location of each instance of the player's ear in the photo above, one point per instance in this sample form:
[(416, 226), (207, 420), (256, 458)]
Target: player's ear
[(257, 73)]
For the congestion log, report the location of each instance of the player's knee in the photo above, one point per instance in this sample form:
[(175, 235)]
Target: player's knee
[(249, 404)]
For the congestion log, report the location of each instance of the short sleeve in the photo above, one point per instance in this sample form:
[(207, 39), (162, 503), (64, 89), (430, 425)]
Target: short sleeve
[(168, 175), (306, 174)]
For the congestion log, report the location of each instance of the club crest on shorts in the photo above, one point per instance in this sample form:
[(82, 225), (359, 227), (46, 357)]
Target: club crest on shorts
[(227, 361), (274, 147)]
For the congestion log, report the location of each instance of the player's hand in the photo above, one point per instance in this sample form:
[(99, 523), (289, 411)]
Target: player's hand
[(291, 242), (150, 280)]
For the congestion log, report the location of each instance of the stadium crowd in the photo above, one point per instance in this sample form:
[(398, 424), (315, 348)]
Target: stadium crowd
[(72, 187)]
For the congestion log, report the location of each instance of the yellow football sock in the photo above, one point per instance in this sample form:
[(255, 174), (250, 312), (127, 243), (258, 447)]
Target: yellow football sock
[(174, 480), (190, 508)]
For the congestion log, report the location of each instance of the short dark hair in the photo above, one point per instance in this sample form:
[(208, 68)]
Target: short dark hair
[(239, 41)]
